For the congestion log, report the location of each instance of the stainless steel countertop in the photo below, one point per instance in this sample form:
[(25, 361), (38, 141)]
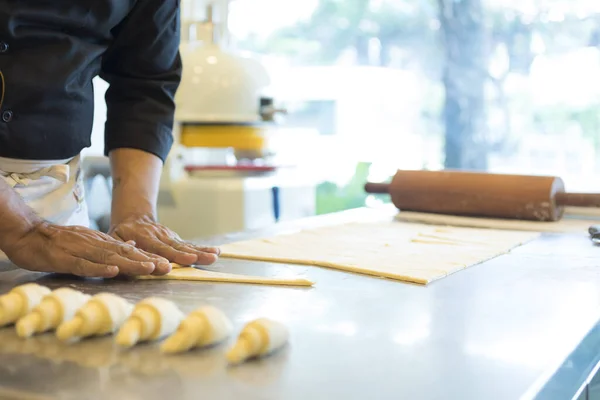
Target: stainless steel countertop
[(518, 325)]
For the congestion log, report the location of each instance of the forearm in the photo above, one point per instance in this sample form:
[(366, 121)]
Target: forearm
[(16, 218), (136, 177)]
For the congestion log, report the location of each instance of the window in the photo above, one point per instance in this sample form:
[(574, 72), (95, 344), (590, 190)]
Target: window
[(495, 85)]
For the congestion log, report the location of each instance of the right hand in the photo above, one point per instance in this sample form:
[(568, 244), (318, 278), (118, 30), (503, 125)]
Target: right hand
[(81, 251)]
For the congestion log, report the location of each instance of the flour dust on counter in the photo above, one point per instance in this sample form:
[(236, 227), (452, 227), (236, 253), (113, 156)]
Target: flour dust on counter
[(188, 273), (409, 252)]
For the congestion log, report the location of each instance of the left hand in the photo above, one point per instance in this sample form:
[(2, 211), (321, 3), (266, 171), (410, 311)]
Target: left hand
[(155, 238)]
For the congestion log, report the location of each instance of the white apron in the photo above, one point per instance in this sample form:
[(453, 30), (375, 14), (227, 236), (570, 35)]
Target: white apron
[(53, 189)]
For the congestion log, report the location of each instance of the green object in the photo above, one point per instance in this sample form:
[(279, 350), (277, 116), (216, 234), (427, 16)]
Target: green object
[(333, 198)]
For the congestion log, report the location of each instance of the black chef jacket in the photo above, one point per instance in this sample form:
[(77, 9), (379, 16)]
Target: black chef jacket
[(51, 49)]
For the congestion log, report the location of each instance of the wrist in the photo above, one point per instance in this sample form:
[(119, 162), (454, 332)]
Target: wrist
[(17, 218), (136, 176), (130, 202), (20, 227), (120, 216)]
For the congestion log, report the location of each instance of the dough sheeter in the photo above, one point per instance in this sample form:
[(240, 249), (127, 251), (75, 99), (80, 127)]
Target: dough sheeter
[(523, 325)]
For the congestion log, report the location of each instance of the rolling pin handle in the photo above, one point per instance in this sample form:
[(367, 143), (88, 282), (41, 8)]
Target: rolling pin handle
[(377, 188), (578, 199)]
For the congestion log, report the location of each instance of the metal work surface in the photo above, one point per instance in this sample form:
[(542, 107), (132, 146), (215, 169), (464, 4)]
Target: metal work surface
[(499, 330)]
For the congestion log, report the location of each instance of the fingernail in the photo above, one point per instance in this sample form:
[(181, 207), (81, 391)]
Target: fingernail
[(166, 268), (164, 264), (148, 264), (212, 257), (113, 270), (215, 250)]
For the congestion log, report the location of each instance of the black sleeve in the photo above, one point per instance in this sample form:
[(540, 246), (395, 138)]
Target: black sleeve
[(143, 68)]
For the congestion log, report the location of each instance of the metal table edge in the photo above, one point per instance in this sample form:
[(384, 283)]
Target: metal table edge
[(571, 378)]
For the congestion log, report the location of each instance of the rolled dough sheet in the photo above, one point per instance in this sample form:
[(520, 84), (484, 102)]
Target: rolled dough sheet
[(392, 249), (566, 225), (185, 273)]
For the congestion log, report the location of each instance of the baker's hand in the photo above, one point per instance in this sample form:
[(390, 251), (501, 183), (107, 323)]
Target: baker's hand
[(155, 238), (81, 251)]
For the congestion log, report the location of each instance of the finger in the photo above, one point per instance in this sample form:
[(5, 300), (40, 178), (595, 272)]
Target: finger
[(169, 252), (131, 267), (202, 258), (161, 264), (163, 269), (85, 268), (115, 235), (126, 265), (173, 238), (128, 250), (202, 249), (213, 250)]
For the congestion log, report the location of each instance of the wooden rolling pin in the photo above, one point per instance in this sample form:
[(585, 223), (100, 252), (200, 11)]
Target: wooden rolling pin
[(537, 198)]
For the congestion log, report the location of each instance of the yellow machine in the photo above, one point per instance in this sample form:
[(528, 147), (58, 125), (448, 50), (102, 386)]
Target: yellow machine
[(221, 103), (221, 175)]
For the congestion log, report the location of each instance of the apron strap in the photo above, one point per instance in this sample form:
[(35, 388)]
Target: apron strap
[(61, 172)]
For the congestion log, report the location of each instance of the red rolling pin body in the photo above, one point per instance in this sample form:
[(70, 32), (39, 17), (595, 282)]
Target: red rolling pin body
[(476, 194)]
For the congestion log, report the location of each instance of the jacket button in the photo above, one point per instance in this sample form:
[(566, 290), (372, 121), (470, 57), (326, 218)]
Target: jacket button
[(3, 47), (7, 116)]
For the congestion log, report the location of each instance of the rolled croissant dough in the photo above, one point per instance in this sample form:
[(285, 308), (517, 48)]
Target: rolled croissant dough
[(185, 273), (392, 249)]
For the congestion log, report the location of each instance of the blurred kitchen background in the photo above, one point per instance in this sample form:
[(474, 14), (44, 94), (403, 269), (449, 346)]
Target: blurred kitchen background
[(370, 86)]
